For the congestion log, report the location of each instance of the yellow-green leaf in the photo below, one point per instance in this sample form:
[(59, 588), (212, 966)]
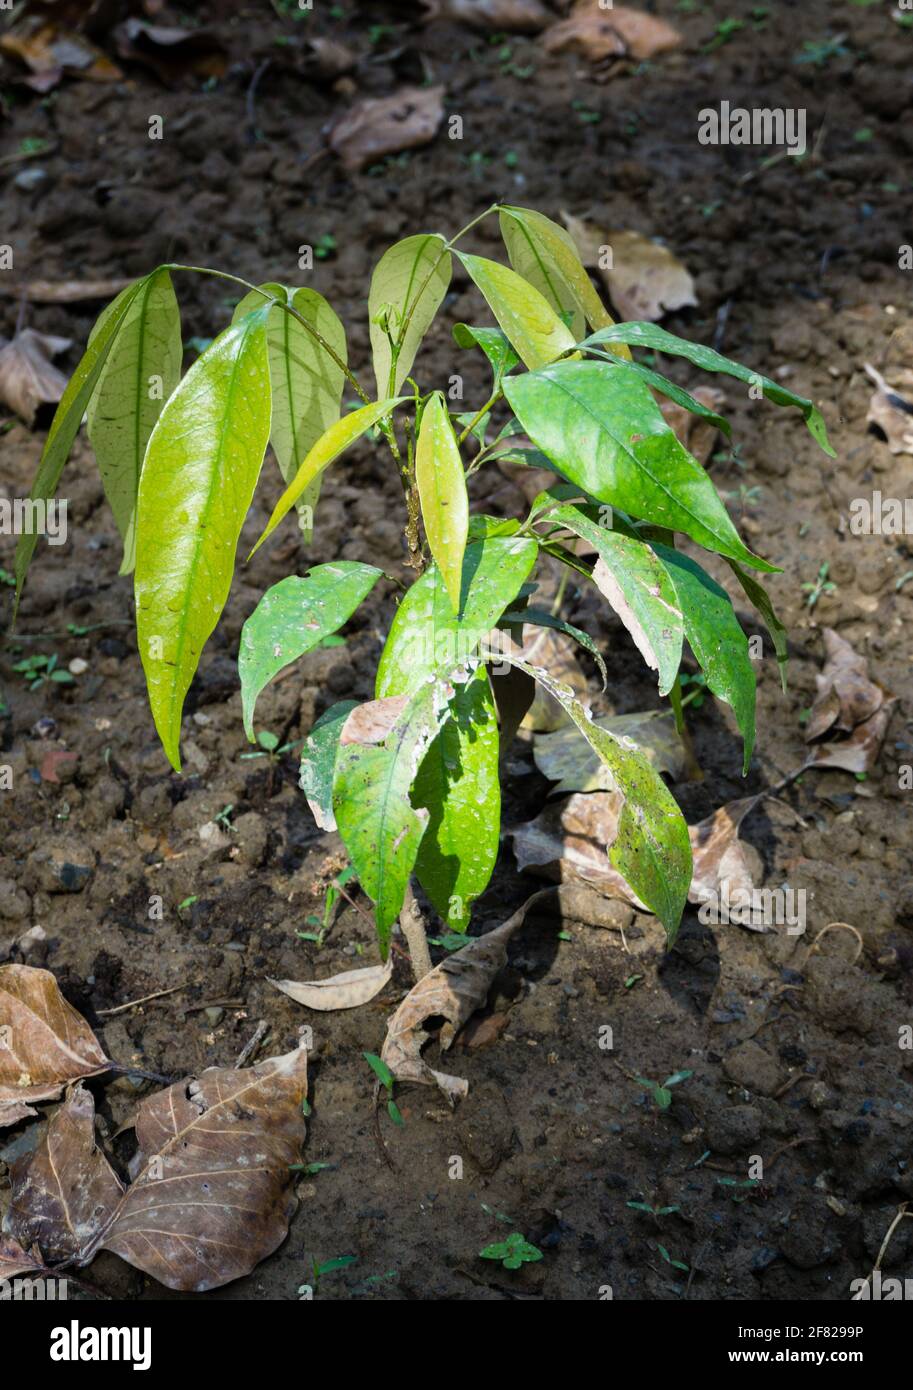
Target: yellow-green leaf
[(407, 287), (534, 329), (201, 468), (307, 380), (328, 447), (138, 377), (442, 493)]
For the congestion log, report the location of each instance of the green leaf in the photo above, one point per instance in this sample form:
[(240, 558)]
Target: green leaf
[(442, 492), (639, 590), (328, 448), (531, 324), (652, 850), (318, 762), (201, 469), (716, 638), (650, 335), (307, 383), (292, 617), (493, 343), (380, 1069), (407, 287), (761, 600), (544, 254), (458, 784), (540, 617), (67, 419), (379, 828), (674, 393), (426, 636), (607, 434), (139, 375)]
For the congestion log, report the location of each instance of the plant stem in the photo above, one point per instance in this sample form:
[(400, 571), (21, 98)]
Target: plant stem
[(492, 400), (412, 927), (675, 700)]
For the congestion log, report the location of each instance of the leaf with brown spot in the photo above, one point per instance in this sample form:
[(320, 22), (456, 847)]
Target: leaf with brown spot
[(379, 126), (44, 1042), (452, 991), (28, 377), (846, 697), (345, 991), (65, 1192)]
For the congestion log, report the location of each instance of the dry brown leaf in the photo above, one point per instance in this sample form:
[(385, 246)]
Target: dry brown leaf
[(344, 991), (14, 1261), (501, 16), (452, 991), (213, 1196), (326, 59), (646, 281), (846, 697), (44, 1042), (171, 52), (718, 853), (697, 435), (566, 757), (50, 53), (599, 33), (63, 291), (891, 408), (379, 126), (28, 377), (65, 1192), (587, 237), (858, 753)]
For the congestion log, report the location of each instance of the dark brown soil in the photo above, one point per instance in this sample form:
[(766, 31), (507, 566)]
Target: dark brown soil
[(795, 1057)]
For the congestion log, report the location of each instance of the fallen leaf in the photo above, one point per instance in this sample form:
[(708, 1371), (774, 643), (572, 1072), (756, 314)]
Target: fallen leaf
[(566, 757), (28, 378), (587, 237), (501, 16), (65, 1192), (170, 52), (63, 291), (846, 697), (891, 408), (44, 1042), (50, 53), (345, 991), (645, 281), (858, 753), (697, 435), (379, 126), (600, 33), (325, 59), (14, 1261), (452, 991), (719, 855)]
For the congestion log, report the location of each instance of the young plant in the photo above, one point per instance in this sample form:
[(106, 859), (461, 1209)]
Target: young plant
[(512, 1252), (662, 1094), (412, 778)]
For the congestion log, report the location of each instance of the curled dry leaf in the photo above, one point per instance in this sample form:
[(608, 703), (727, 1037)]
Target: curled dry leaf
[(501, 16), (171, 52), (846, 697), (697, 435), (51, 53), (28, 377), (600, 32), (891, 408), (44, 1042), (566, 757), (63, 291), (345, 991), (379, 126), (452, 991), (858, 753), (212, 1196), (64, 1192), (719, 855)]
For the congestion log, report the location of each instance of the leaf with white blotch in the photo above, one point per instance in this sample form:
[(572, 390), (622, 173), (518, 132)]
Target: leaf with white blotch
[(606, 433), (535, 331), (650, 335), (651, 848), (458, 785), (381, 748), (292, 618), (452, 991), (545, 255), (441, 484), (213, 1193), (565, 757), (638, 588), (318, 762), (345, 991), (716, 638), (307, 382), (44, 1042), (140, 374), (407, 288), (198, 480), (67, 419), (426, 636), (65, 1192), (327, 449)]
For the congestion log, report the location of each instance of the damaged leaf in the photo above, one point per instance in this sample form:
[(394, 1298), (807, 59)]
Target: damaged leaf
[(846, 697), (565, 756), (345, 991)]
